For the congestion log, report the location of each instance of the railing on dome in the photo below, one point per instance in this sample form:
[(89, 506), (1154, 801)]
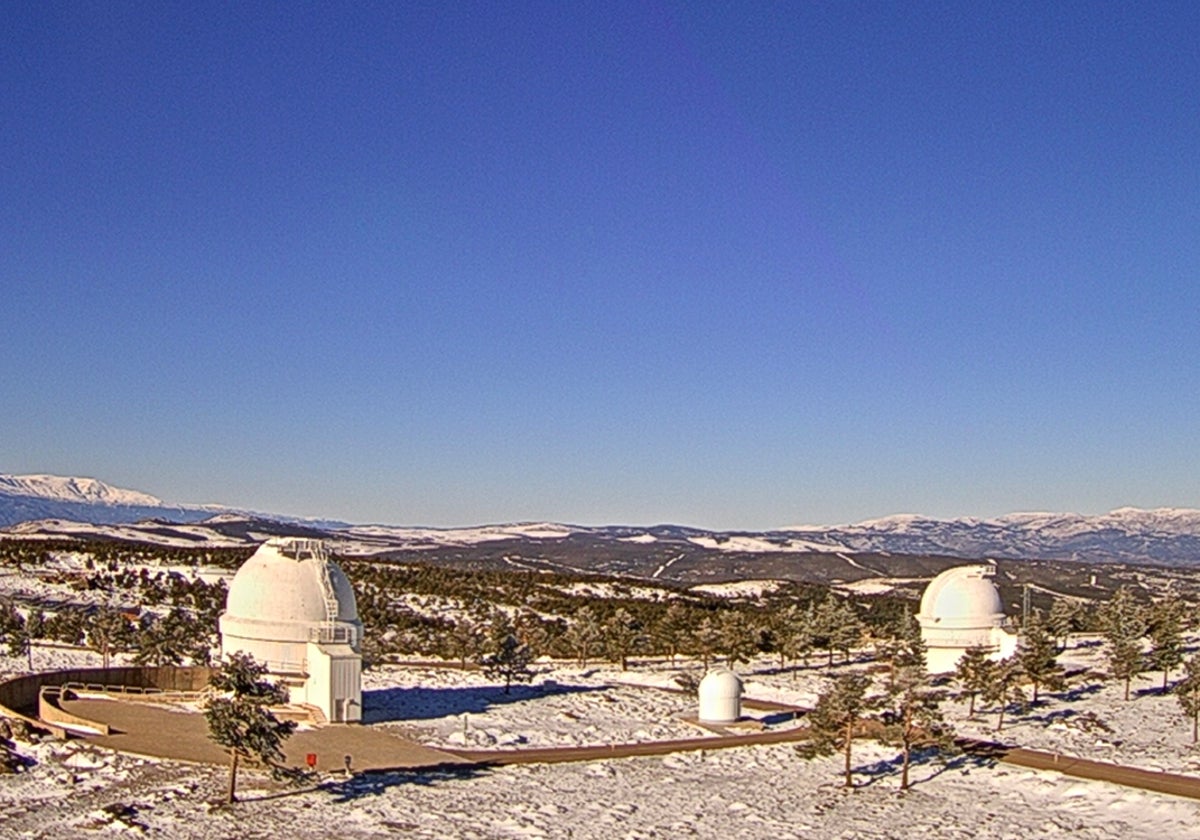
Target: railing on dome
[(335, 634), (302, 549), (964, 640), (286, 667)]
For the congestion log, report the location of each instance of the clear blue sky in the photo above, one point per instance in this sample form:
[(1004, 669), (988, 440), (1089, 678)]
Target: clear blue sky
[(731, 265)]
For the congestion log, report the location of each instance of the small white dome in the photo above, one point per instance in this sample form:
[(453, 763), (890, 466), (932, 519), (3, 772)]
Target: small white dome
[(963, 596), (720, 696)]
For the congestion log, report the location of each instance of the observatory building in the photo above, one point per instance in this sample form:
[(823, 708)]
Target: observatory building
[(720, 696), (293, 610), (961, 609)]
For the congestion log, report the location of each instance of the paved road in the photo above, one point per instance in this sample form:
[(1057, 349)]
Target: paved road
[(1083, 768), (172, 733)]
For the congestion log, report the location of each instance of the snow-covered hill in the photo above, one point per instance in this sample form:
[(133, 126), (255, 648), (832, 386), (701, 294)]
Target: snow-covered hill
[(30, 497), (70, 489), (26, 498), (1168, 536)]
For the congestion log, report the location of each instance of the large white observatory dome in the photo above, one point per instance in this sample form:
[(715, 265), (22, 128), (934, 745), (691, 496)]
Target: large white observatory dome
[(963, 596), (961, 609), (292, 609), (282, 583)]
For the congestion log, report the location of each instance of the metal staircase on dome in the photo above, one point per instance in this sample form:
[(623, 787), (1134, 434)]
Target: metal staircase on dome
[(330, 631)]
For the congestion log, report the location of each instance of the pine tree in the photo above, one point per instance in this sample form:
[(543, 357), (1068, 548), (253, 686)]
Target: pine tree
[(622, 633), (583, 634), (1004, 687), (464, 640), (973, 673), (13, 630), (155, 644), (1037, 654), (240, 720), (913, 711), (832, 721), (899, 644), (736, 639), (1062, 620), (792, 630), (108, 631), (1187, 692), (672, 629), (838, 627), (507, 657), (706, 640), (1166, 635), (1124, 625)]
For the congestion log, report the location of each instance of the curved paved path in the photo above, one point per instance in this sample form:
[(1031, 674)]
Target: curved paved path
[(163, 731)]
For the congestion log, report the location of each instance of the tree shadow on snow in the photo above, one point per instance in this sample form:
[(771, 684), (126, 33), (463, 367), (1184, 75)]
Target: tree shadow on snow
[(377, 783), (419, 703), (924, 765), (1079, 692)]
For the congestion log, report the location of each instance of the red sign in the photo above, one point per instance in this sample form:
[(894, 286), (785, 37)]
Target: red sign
[(311, 760)]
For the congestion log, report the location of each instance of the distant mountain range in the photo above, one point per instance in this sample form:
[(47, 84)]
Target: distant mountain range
[(41, 505), (89, 500)]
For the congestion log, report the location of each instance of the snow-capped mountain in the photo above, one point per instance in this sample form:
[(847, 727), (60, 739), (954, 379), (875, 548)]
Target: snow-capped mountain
[(69, 489), (1169, 536), (26, 497), (1165, 535)]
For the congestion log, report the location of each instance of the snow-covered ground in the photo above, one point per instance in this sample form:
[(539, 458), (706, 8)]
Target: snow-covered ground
[(755, 792)]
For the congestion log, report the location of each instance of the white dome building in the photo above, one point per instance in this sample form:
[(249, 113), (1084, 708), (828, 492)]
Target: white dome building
[(720, 696), (961, 609), (293, 610)]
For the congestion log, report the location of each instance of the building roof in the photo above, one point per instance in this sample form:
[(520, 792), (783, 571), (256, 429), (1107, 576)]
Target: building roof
[(963, 596), (283, 581)]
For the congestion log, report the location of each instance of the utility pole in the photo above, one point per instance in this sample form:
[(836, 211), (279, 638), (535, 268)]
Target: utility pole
[(1025, 605)]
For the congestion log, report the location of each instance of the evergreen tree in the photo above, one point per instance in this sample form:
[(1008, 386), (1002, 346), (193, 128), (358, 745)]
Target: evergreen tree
[(584, 633), (898, 643), (155, 644), (1166, 635), (670, 631), (108, 631), (913, 710), (464, 640), (13, 631), (706, 640), (622, 633), (36, 624), (792, 630), (837, 627), (1187, 692), (832, 721), (1124, 623), (736, 639), (1004, 687), (1037, 655), (508, 657), (1063, 620), (240, 719)]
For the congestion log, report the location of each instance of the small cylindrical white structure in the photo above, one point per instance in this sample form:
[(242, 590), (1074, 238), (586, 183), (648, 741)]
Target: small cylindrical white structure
[(720, 696)]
